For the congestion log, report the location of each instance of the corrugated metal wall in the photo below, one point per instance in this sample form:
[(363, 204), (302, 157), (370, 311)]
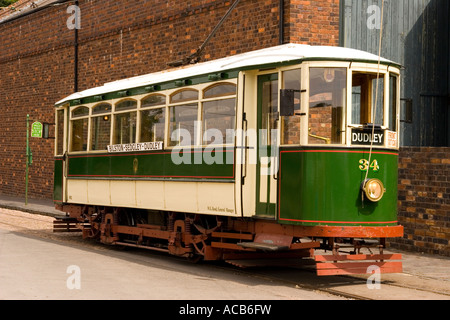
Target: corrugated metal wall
[(416, 33)]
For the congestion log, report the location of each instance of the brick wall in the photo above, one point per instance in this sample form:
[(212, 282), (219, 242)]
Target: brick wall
[(120, 39), (424, 200)]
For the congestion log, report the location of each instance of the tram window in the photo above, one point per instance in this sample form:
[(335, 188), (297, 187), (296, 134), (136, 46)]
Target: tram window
[(220, 90), (152, 125), (124, 128), (182, 124), (153, 101), (79, 134), (393, 103), (328, 87), (125, 123), (126, 105), (184, 95), (60, 132), (100, 126), (80, 112), (291, 125), (79, 129), (218, 117), (363, 98)]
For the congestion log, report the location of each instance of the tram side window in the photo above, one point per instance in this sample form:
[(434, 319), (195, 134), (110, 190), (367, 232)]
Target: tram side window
[(60, 132), (100, 126), (328, 87), (125, 123), (218, 116), (182, 118), (153, 120), (79, 129), (363, 99), (393, 102), (291, 125)]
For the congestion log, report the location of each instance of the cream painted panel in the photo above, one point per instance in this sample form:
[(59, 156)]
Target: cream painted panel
[(181, 196), (150, 194), (216, 198), (123, 193), (99, 192), (77, 191)]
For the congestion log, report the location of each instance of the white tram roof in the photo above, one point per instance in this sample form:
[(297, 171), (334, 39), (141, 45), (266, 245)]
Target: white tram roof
[(278, 54)]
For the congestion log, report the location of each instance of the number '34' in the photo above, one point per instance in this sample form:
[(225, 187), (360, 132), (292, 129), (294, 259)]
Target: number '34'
[(364, 165)]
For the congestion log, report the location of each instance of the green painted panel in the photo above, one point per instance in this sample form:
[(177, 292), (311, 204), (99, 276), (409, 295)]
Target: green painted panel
[(322, 187), (58, 180), (192, 164)]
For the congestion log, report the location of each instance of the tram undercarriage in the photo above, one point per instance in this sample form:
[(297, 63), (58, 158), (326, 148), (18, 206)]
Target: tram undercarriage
[(241, 242)]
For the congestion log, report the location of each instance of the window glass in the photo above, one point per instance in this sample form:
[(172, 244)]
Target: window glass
[(219, 90), (124, 128), (101, 108), (218, 116), (363, 98), (60, 132), (126, 105), (100, 132), (152, 125), (153, 100), (269, 111), (182, 124), (291, 125), (393, 103), (327, 99), (184, 95), (79, 134), (80, 112)]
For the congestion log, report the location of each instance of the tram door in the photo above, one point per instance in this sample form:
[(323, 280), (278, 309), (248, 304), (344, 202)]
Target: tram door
[(267, 150), (59, 184)]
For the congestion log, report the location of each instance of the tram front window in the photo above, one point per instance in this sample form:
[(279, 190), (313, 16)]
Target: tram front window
[(364, 94), (328, 87)]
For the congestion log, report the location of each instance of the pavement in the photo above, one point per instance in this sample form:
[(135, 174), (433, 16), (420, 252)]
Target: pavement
[(430, 272)]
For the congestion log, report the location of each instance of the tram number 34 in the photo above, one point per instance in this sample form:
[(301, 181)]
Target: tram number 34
[(364, 165)]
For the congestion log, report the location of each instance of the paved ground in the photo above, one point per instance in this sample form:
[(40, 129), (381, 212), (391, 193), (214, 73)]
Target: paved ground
[(421, 272)]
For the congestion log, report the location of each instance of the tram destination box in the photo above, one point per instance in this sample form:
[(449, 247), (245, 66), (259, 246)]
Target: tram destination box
[(364, 136)]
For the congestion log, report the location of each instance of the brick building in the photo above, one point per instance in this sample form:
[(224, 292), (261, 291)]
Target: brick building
[(120, 39), (43, 59)]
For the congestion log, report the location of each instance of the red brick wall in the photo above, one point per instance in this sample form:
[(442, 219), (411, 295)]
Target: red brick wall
[(424, 200), (120, 39)]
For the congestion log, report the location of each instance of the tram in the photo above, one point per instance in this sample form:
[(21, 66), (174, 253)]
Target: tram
[(288, 152)]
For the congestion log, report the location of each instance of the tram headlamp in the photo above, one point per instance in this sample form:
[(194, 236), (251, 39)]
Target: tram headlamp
[(373, 189)]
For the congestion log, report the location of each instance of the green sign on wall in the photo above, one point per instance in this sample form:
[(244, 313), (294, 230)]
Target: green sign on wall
[(36, 130)]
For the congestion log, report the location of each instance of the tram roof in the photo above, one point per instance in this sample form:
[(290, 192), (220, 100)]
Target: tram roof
[(269, 56)]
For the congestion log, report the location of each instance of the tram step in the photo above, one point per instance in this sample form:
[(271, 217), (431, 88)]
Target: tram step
[(263, 246), (66, 225), (328, 265)]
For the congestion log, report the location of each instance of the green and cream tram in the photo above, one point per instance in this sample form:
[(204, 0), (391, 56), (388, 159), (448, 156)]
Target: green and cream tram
[(279, 152)]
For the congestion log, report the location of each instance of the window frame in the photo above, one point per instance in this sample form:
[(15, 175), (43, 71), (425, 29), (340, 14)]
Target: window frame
[(139, 99), (71, 120), (97, 115)]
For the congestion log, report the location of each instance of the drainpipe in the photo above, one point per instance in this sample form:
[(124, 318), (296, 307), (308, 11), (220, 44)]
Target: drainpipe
[(75, 71), (281, 36)]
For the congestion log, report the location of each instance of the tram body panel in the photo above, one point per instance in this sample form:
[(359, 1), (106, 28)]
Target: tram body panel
[(315, 190)]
